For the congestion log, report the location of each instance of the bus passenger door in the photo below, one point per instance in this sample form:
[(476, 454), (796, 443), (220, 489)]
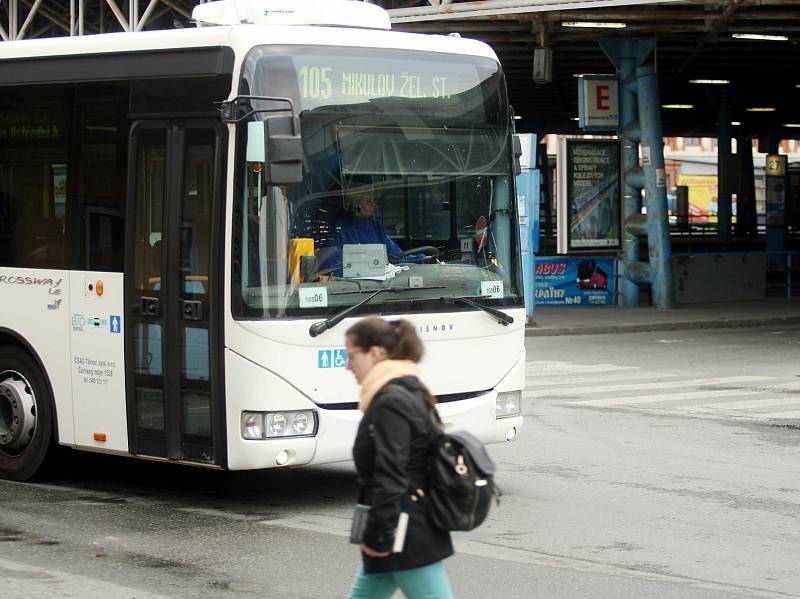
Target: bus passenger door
[(175, 402)]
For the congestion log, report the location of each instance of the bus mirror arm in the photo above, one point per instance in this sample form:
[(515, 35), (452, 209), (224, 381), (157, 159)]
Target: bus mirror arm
[(283, 146), (517, 154), (230, 109)]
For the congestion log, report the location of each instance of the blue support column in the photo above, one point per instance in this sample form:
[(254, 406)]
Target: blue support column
[(777, 232), (655, 185), (639, 94), (632, 197)]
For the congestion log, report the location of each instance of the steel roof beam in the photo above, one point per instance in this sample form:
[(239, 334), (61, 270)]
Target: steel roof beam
[(494, 8)]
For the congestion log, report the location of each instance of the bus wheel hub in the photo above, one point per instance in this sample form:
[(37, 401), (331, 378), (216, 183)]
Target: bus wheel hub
[(17, 412)]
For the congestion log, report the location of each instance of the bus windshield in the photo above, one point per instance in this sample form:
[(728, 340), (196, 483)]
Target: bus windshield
[(407, 184)]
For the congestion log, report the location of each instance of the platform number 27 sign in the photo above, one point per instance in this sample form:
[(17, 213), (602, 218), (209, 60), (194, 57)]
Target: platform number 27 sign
[(775, 165)]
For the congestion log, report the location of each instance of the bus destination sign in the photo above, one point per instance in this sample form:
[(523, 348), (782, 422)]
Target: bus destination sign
[(325, 82)]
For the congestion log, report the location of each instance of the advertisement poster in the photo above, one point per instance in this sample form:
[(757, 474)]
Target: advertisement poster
[(585, 281), (593, 194)]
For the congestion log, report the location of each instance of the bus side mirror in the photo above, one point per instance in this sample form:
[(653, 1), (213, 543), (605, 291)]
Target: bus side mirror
[(517, 154), (275, 142), (283, 148)]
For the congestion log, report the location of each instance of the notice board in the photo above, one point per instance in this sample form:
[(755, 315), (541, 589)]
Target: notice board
[(590, 198)]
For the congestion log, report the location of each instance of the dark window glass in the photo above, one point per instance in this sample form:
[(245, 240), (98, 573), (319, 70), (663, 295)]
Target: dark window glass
[(99, 206), (34, 175), (150, 194)]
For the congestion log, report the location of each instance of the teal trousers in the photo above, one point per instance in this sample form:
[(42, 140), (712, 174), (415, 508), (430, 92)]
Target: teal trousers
[(428, 582)]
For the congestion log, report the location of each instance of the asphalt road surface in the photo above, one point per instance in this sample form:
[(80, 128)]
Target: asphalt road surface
[(651, 465)]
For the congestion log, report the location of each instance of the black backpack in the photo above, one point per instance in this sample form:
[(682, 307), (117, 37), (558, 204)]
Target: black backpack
[(461, 480)]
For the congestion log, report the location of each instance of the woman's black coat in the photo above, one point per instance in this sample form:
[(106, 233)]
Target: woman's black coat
[(392, 452)]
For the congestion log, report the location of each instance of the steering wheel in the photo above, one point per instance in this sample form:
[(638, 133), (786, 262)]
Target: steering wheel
[(428, 250)]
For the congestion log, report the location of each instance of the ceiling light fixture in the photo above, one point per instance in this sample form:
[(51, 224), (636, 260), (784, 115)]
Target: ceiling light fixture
[(735, 123), (678, 106), (595, 24), (710, 81), (760, 37), (791, 125), (517, 117), (760, 109), (579, 75)]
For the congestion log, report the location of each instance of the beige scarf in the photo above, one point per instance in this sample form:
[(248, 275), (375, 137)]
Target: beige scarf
[(383, 372)]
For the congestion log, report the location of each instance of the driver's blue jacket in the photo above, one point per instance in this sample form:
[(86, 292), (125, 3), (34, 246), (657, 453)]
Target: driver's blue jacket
[(361, 230)]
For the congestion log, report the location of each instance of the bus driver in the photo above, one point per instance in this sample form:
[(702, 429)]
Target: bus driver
[(359, 226)]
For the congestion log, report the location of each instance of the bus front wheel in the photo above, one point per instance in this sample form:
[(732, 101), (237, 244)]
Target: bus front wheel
[(26, 415)]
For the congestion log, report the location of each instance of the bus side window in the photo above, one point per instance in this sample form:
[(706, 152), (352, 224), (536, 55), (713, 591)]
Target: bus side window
[(34, 176)]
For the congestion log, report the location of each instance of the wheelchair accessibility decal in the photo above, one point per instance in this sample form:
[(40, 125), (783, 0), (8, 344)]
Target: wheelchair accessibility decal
[(331, 358)]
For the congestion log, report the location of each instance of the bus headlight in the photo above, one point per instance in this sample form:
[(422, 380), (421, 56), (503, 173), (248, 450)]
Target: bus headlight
[(272, 425), (300, 423), (291, 424), (276, 425), (508, 404)]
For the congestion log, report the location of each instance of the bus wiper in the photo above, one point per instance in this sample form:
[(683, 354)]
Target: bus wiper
[(320, 327), (501, 317)]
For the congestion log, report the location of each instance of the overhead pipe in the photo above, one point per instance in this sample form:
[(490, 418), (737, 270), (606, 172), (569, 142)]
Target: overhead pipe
[(484, 8), (178, 9), (118, 13), (13, 19), (133, 13), (48, 15), (147, 14), (31, 14)]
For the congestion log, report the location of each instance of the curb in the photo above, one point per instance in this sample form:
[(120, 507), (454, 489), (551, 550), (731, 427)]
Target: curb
[(643, 327)]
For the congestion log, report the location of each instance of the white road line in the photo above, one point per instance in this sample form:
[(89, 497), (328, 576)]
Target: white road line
[(746, 405), (615, 378), (684, 384), (778, 415), (570, 367), (666, 397)]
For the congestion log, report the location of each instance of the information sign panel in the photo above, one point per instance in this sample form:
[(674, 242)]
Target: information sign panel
[(589, 195), (598, 103)]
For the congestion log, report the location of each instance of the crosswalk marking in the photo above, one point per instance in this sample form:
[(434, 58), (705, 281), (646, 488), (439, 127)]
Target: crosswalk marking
[(682, 383), (666, 397), (575, 380), (747, 404), (550, 368), (779, 415), (756, 398)]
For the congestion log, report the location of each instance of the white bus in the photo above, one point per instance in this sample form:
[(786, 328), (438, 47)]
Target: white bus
[(173, 277)]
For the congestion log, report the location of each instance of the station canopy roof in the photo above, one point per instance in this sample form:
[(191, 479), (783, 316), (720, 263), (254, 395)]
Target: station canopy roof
[(696, 40)]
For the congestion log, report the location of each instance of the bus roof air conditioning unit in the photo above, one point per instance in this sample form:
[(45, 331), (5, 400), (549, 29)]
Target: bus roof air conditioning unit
[(339, 13)]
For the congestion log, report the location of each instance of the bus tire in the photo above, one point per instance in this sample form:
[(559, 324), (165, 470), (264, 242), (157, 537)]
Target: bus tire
[(26, 415)]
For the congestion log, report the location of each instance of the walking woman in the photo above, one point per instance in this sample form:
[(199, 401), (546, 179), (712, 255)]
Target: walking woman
[(392, 451)]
